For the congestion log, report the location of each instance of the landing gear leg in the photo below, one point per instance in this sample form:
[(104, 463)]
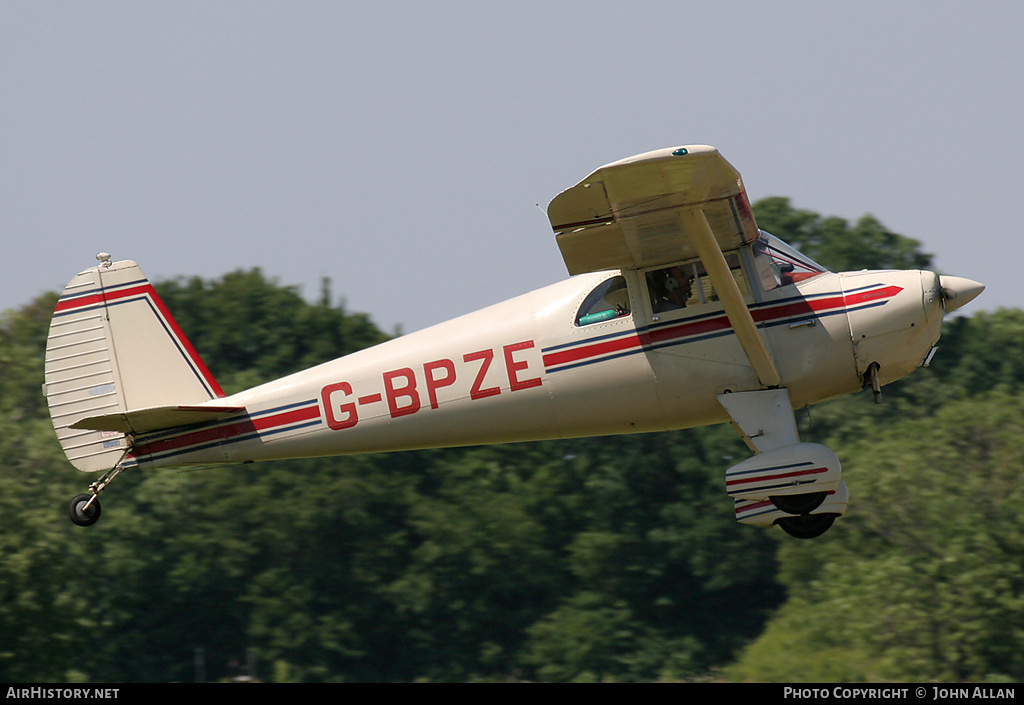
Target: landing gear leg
[(795, 478), (84, 509)]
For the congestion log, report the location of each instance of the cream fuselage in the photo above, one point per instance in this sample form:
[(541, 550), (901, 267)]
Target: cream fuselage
[(524, 370)]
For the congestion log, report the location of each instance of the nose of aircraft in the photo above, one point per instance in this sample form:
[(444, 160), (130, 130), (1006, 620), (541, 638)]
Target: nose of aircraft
[(957, 291)]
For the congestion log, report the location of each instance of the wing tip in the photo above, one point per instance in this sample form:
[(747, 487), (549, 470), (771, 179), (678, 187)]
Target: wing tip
[(684, 150)]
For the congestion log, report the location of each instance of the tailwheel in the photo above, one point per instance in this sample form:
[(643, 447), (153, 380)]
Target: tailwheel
[(84, 509), (807, 526)]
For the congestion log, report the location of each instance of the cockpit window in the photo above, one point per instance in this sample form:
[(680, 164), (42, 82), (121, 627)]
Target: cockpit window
[(607, 301), (787, 264), (673, 287), (682, 285)]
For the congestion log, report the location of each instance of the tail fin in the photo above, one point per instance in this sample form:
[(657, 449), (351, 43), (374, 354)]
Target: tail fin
[(113, 347)]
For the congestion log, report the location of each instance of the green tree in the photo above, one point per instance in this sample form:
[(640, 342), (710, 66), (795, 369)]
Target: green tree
[(249, 329), (591, 559), (981, 352), (925, 580), (834, 243), (660, 581), (132, 598)]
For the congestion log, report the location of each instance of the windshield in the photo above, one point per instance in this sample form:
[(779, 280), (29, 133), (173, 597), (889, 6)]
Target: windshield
[(787, 264)]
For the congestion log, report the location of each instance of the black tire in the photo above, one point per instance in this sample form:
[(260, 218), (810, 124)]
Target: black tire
[(807, 526), (799, 503), (81, 516)]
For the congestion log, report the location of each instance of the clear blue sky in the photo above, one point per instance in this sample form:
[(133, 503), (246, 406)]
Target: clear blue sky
[(402, 148)]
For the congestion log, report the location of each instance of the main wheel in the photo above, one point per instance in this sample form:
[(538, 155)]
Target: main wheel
[(79, 514), (799, 503), (807, 526)]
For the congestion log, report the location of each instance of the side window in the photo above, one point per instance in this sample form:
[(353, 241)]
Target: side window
[(681, 285), (608, 300), (674, 287), (787, 265), (736, 269), (763, 269)]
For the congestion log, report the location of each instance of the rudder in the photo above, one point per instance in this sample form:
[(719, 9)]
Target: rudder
[(113, 346)]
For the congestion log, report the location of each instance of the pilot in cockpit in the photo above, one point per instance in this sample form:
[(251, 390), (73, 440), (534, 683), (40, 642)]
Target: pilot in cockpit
[(670, 288)]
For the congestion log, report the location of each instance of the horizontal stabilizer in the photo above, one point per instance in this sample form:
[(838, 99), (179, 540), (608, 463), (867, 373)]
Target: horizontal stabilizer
[(157, 418)]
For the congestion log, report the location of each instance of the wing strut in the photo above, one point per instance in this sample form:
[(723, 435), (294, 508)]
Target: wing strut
[(732, 300)]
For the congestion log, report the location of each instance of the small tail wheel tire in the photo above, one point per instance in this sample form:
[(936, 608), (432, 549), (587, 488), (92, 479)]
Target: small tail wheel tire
[(78, 513)]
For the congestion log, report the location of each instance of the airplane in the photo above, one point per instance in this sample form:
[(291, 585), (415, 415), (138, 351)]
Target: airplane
[(679, 312)]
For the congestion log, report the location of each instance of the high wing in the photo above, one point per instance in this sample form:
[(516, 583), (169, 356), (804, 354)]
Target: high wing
[(634, 213), (661, 207)]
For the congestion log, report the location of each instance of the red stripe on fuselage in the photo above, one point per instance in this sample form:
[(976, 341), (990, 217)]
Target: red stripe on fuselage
[(713, 324), (220, 433), (608, 346)]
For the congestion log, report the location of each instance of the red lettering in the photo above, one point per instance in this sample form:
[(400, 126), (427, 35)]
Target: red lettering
[(349, 416), (403, 397), (515, 366), (435, 383), (394, 393), (475, 391)]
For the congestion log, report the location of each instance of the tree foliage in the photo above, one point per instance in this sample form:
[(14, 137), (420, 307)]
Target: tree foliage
[(443, 565), (925, 581), (253, 330), (593, 559), (834, 243)]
